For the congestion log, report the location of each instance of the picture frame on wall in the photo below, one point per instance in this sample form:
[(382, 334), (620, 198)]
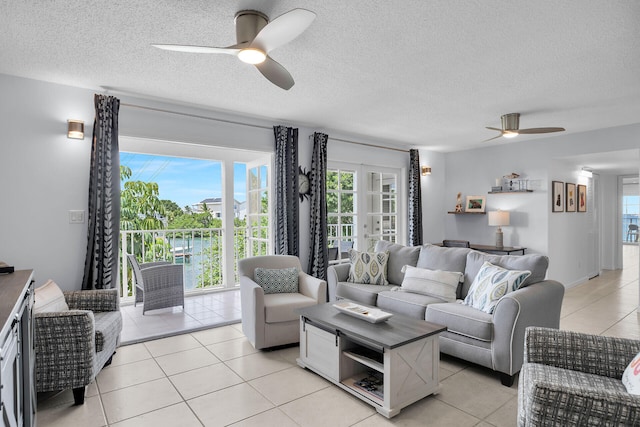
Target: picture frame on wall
[(475, 204), (582, 198), (557, 196), (571, 197)]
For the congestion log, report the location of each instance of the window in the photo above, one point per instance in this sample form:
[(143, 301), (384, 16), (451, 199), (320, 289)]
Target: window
[(362, 211)]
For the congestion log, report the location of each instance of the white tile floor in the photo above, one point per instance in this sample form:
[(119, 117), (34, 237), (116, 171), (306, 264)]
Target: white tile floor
[(202, 311), (214, 377)]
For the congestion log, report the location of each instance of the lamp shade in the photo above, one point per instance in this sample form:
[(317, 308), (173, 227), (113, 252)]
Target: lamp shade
[(498, 218)]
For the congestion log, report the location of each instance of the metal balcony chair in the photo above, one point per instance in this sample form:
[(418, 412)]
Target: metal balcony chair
[(632, 233), (157, 284)]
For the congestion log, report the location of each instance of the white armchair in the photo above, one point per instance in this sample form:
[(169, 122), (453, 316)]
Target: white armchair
[(271, 320)]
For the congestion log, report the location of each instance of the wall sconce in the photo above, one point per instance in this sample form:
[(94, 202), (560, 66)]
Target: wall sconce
[(426, 170), (586, 172), (75, 129)]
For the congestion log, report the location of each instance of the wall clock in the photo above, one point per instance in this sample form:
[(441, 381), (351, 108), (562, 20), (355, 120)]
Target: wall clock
[(304, 184)]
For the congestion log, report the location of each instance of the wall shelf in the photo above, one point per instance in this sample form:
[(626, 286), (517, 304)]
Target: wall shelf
[(515, 191), (466, 213)]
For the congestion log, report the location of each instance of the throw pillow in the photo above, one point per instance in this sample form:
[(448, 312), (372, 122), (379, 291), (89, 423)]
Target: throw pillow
[(277, 280), (631, 376), (435, 283), (492, 283), (369, 268), (49, 298)]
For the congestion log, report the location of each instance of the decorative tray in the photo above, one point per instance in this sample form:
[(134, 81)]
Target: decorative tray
[(372, 315)]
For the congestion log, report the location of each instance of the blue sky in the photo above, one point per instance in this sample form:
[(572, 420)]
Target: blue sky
[(183, 180)]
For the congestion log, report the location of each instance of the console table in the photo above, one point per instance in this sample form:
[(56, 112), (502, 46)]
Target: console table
[(403, 353), (494, 249), (17, 352)]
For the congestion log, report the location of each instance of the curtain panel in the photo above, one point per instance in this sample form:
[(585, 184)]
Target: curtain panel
[(415, 200), (319, 252), (101, 262), (286, 197)]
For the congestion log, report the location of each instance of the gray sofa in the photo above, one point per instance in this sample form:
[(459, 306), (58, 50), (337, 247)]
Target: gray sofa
[(493, 340)]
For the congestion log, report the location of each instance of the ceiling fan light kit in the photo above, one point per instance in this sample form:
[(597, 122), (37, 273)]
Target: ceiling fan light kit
[(511, 127), (256, 37)]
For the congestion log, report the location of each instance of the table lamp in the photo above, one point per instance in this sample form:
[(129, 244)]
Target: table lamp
[(499, 218)]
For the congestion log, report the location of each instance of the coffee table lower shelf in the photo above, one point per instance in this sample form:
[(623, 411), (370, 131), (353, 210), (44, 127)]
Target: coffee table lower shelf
[(407, 373)]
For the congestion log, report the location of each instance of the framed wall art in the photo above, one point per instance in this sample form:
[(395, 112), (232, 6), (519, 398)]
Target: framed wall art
[(475, 204), (582, 198), (557, 196), (571, 197)]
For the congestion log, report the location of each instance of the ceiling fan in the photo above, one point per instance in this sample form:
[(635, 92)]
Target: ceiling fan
[(511, 124), (256, 37)]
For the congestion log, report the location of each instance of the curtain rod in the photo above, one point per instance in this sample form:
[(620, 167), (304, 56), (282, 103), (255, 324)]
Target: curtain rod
[(233, 122)]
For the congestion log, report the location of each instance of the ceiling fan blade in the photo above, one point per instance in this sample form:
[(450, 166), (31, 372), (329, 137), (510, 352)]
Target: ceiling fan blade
[(231, 50), (283, 29), (539, 130), (499, 130), (491, 139), (276, 73)]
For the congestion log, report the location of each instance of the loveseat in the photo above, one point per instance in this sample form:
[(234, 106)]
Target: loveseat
[(494, 340)]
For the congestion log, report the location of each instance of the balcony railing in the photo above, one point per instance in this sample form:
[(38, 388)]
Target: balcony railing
[(200, 250)]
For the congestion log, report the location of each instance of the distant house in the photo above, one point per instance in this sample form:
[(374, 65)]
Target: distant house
[(214, 205)]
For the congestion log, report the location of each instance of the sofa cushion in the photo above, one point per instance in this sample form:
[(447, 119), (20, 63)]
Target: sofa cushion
[(536, 264), (368, 267), (108, 325), (407, 303), (436, 283), (49, 298), (277, 280), (438, 258), (492, 283), (359, 292), (462, 320), (282, 307), (399, 256)]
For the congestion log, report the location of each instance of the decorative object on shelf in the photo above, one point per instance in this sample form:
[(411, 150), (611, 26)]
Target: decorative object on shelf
[(459, 203), (426, 170), (582, 198), (304, 183), (475, 204), (557, 196), (499, 218), (571, 197)]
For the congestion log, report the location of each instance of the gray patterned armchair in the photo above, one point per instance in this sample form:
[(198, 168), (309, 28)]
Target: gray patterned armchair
[(574, 379), (73, 346)]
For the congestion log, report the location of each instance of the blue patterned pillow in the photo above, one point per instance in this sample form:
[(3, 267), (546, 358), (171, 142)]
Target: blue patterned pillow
[(492, 283), (369, 268), (277, 281)]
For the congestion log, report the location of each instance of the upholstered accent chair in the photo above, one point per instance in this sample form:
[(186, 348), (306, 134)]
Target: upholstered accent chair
[(158, 284), (73, 346), (574, 379), (270, 320)]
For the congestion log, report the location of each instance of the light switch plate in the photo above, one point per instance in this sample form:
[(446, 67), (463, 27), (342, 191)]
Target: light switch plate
[(76, 217)]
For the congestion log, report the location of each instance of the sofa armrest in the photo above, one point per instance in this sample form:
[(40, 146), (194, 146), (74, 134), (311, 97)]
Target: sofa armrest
[(253, 314), (592, 354), (93, 300), (65, 349), (551, 403), (312, 287), (336, 273), (538, 304)]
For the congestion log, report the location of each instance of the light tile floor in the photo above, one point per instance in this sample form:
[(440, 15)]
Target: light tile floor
[(214, 377), (200, 312)]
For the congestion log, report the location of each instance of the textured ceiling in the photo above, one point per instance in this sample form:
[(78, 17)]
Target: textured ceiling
[(412, 73)]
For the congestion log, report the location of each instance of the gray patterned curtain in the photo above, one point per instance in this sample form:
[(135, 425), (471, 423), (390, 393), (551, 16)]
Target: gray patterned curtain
[(286, 180), (319, 252), (415, 200), (101, 262)]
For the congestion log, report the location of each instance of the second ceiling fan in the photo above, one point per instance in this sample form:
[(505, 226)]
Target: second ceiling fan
[(511, 127)]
